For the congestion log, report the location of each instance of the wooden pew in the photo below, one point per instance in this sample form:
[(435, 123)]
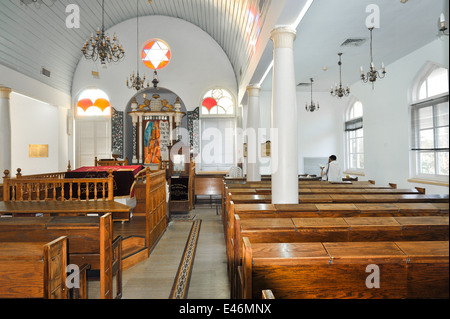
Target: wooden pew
[(344, 229), (341, 270), (90, 241), (33, 269), (111, 162), (149, 190)]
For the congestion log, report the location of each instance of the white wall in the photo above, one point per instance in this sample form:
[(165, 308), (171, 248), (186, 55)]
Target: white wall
[(33, 122), (387, 119), (198, 63), (317, 133), (60, 101)]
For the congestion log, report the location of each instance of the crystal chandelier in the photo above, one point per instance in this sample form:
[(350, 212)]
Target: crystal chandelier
[(373, 74), (135, 81), (312, 107), (340, 91), (101, 47)]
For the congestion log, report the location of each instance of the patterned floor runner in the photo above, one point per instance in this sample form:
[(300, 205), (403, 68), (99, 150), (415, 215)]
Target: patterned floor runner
[(181, 283)]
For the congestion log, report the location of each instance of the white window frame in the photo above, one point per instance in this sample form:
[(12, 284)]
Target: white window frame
[(208, 167), (430, 101), (96, 120), (348, 139), (201, 114)]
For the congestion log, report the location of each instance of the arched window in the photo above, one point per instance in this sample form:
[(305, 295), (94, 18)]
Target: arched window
[(93, 102), (217, 102), (430, 126), (217, 131), (354, 137), (92, 127)]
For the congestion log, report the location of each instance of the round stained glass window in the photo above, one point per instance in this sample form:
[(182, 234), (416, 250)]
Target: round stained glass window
[(156, 54)]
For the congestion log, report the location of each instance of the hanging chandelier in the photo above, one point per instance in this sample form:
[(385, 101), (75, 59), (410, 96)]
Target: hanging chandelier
[(373, 74), (135, 81), (101, 47), (340, 91), (312, 107)]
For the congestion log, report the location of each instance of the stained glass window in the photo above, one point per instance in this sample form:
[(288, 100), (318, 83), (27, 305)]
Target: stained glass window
[(93, 102), (156, 54), (217, 102)]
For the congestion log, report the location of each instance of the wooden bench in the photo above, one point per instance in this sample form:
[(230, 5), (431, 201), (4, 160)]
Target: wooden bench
[(90, 241), (345, 229), (342, 270), (149, 190), (110, 162), (33, 269)]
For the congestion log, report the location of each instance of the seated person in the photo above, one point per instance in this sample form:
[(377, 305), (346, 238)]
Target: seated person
[(332, 171)]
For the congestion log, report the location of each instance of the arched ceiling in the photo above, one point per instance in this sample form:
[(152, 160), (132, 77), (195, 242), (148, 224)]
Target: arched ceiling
[(35, 36), (32, 37)]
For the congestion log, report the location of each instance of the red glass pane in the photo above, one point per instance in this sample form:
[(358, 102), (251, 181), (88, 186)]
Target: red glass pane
[(209, 103), (85, 104)]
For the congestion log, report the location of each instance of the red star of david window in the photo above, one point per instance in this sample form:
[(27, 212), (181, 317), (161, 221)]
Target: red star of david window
[(156, 54)]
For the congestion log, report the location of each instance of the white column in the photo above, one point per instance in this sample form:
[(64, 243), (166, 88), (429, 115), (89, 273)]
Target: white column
[(5, 131), (284, 144), (253, 173), (140, 144)]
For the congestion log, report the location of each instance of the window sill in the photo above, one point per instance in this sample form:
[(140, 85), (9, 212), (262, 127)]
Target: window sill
[(349, 172), (427, 181)]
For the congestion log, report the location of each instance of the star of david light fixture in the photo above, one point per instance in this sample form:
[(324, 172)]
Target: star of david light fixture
[(156, 55), (340, 91), (102, 47), (312, 107), (373, 74), (135, 81)]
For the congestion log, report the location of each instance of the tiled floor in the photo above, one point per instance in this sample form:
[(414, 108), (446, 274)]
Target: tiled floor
[(153, 278)]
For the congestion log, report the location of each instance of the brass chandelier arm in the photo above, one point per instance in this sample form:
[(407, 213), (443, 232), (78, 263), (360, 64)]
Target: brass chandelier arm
[(101, 47), (372, 75), (136, 82), (340, 91)]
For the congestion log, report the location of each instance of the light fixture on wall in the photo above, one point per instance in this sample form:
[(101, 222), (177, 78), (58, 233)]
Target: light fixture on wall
[(340, 91), (155, 79), (102, 47), (312, 107), (443, 28), (373, 74), (135, 81)]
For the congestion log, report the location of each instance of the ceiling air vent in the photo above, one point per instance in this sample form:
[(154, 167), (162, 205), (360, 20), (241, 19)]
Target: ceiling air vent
[(353, 42), (45, 72), (304, 84)]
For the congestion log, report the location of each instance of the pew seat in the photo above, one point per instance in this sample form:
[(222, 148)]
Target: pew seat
[(343, 270)]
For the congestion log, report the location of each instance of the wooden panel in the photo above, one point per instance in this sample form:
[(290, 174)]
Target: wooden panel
[(106, 257), (428, 272), (208, 184), (267, 223)]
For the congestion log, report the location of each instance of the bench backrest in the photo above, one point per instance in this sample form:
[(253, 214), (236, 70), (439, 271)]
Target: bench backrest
[(33, 269), (90, 240), (339, 270)]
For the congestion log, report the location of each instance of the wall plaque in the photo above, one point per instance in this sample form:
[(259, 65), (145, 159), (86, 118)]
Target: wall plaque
[(38, 150)]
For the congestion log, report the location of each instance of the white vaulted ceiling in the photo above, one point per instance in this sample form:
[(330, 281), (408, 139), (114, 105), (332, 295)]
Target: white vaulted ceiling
[(34, 37)]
